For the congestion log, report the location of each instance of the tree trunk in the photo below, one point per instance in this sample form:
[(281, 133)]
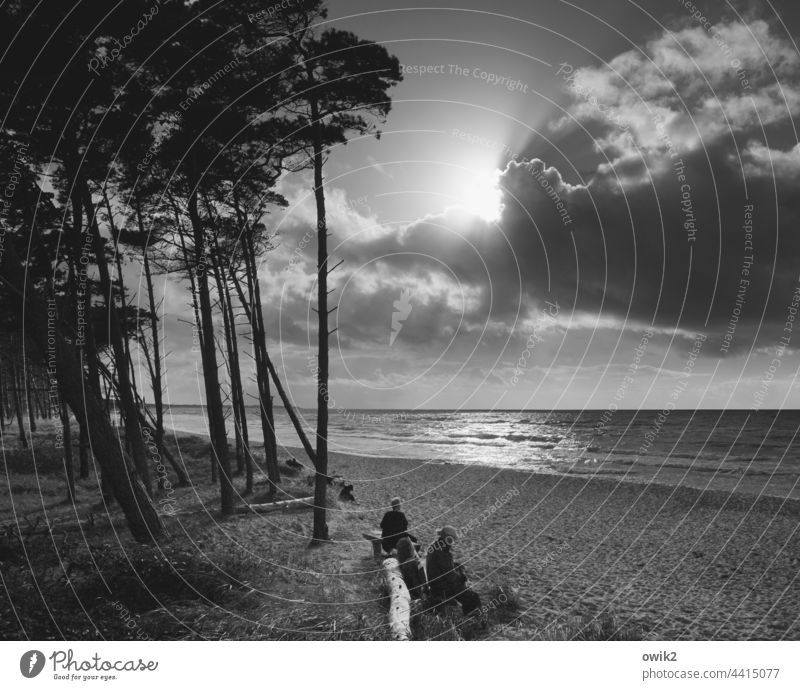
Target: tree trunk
[(67, 438), (121, 477), (133, 434), (399, 600), (287, 404), (320, 531), (262, 373), (237, 389), (31, 404), (126, 339), (157, 379), (180, 472), (248, 458), (42, 410), (229, 361), (23, 439), (216, 415), (84, 347), (301, 434), (197, 322), (143, 520), (83, 450)]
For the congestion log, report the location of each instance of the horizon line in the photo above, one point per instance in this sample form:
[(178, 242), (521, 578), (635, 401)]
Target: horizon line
[(511, 409)]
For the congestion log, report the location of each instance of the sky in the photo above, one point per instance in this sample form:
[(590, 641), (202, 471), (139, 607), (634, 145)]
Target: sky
[(571, 205)]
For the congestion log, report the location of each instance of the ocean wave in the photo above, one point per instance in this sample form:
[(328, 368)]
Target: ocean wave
[(516, 438), (652, 468)]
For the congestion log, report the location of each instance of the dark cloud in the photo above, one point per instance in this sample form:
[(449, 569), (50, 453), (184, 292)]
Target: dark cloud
[(656, 235)]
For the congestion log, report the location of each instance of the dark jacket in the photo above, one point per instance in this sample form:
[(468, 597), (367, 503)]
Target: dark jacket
[(445, 577), (410, 567), (413, 577), (393, 527)]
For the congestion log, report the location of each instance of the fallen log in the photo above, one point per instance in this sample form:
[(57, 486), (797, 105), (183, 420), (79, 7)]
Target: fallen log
[(399, 600), (290, 504)]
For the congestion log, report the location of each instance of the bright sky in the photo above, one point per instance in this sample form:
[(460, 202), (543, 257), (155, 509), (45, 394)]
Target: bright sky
[(606, 266)]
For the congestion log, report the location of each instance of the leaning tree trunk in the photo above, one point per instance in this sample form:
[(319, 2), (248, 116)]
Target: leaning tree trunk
[(155, 362), (117, 470), (143, 520), (251, 305), (180, 471), (287, 404), (248, 458), (262, 374), (228, 359), (301, 434), (237, 389), (216, 413), (133, 434)]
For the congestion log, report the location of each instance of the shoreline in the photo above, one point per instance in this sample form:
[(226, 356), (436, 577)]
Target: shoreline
[(758, 467), (711, 495)]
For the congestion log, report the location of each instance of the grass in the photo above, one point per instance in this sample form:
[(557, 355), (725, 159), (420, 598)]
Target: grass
[(72, 571), (78, 591), (605, 628)]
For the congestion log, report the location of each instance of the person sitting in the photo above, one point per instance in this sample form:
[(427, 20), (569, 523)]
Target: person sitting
[(447, 580), (394, 527), (410, 567), (346, 494)]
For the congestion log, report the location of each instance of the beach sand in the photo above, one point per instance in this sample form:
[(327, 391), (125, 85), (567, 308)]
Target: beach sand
[(658, 562), (680, 563)]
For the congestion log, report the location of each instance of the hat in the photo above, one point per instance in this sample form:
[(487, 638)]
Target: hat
[(448, 533)]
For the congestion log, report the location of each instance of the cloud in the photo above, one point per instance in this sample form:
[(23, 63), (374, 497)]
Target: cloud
[(688, 87), (658, 233)]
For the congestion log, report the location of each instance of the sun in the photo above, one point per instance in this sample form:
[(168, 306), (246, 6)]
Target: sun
[(481, 196)]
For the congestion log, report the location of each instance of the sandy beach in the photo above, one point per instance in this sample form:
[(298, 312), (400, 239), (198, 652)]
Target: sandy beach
[(680, 563), (568, 552)]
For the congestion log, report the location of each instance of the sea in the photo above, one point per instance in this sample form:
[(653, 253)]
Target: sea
[(732, 450)]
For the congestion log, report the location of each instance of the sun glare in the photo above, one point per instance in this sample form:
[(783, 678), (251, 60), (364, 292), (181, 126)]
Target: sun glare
[(482, 196)]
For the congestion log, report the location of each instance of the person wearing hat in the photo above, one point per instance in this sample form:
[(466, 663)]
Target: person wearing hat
[(394, 527), (447, 580)]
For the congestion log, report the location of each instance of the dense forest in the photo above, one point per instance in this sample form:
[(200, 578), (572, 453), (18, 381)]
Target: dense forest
[(147, 140)]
